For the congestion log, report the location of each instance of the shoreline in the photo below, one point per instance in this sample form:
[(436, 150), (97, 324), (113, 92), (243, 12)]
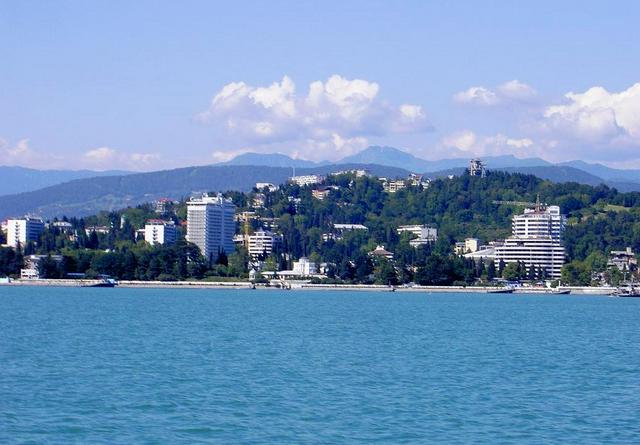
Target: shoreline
[(575, 290)]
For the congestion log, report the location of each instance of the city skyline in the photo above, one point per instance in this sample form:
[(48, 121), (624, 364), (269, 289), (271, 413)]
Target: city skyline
[(150, 85)]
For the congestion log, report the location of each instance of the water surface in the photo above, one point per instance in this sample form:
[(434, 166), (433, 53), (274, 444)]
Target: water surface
[(270, 367)]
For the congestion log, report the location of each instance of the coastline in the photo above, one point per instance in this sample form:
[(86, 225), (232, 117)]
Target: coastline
[(575, 290)]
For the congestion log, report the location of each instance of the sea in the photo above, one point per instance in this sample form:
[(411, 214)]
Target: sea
[(197, 366)]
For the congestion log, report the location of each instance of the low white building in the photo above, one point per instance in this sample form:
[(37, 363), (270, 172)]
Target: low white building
[(624, 260), (301, 268), (266, 185), (97, 229), (307, 179), (393, 185), (33, 266), (63, 226), (157, 231), (421, 234), (21, 231)]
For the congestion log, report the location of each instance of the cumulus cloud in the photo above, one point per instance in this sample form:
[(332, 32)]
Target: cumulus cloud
[(21, 153), (335, 114), (467, 143), (105, 158), (598, 116), (508, 92)]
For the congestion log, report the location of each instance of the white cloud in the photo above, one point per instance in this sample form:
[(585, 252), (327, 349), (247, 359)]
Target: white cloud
[(516, 90), (22, 154), (477, 96), (598, 116), (332, 116), (100, 154), (468, 143), (107, 158), (508, 92)]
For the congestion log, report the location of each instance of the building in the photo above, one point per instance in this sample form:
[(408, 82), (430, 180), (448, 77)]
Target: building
[(301, 268), (476, 168), (359, 173), (349, 227), (624, 260), (21, 231), (262, 242), (418, 180), (307, 179), (97, 229), (33, 266), (266, 185), (536, 240), (63, 226), (211, 225), (259, 200), (470, 245), (162, 205), (320, 193), (393, 185), (421, 234), (381, 252), (157, 231)]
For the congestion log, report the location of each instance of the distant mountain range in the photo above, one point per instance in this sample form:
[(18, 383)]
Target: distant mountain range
[(20, 179), (398, 158), (90, 195), (86, 192)]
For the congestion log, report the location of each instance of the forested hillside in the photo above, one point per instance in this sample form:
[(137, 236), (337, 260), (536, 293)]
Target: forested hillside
[(600, 219)]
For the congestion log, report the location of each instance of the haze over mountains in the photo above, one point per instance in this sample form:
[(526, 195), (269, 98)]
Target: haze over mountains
[(77, 193)]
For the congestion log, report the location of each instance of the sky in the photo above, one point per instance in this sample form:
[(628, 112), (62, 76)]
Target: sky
[(150, 85)]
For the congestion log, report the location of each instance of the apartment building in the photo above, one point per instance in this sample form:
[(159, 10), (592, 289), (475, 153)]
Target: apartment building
[(21, 231), (157, 231)]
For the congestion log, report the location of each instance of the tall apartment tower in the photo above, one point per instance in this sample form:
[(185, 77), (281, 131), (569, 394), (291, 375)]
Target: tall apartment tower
[(211, 225), (20, 231), (536, 240)]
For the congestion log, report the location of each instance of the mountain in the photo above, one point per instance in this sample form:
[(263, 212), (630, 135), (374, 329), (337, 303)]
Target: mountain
[(558, 173), (91, 195), (271, 160), (389, 156), (20, 179), (608, 173)]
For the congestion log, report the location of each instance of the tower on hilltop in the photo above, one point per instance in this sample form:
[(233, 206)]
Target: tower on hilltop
[(476, 168)]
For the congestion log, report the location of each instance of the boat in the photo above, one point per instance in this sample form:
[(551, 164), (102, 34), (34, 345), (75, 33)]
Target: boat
[(105, 282), (630, 291), (502, 290)]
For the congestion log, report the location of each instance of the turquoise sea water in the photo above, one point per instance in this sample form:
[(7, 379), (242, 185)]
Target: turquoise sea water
[(267, 367)]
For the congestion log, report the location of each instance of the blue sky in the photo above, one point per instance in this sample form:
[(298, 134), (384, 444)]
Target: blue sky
[(132, 84)]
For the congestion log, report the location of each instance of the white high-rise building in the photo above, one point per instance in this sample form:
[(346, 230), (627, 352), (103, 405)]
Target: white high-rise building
[(536, 240), (158, 231), (211, 225), (20, 231)]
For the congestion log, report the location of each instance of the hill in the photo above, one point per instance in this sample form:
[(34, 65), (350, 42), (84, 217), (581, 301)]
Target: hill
[(20, 179), (87, 196), (271, 160)]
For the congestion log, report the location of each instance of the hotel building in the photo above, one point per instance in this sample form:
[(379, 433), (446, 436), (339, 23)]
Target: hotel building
[(536, 240), (21, 231), (211, 225), (157, 231)]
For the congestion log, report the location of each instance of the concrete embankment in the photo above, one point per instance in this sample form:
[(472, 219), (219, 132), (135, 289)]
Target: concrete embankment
[(302, 286)]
